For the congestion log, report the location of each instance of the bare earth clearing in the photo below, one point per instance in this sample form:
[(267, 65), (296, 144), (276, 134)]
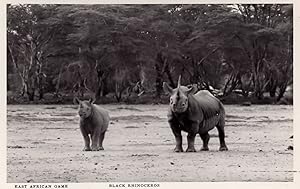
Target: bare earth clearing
[(44, 144)]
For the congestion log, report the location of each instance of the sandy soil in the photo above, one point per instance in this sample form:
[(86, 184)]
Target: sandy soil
[(45, 145)]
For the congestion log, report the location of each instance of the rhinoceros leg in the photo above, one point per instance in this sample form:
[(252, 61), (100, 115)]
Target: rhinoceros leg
[(95, 140), (205, 138), (86, 139), (223, 146), (220, 127), (178, 147), (178, 137), (191, 142), (101, 141)]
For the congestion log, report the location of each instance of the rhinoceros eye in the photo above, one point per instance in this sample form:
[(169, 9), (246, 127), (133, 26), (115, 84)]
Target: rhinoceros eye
[(171, 101)]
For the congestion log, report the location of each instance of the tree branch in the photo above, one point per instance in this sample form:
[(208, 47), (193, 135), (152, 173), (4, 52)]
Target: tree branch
[(210, 53)]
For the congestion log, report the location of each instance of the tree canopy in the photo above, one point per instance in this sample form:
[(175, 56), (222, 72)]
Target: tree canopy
[(117, 49)]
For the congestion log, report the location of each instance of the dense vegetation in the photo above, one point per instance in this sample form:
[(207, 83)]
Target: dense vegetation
[(122, 51)]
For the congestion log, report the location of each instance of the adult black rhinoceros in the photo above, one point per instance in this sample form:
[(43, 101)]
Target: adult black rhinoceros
[(194, 113)]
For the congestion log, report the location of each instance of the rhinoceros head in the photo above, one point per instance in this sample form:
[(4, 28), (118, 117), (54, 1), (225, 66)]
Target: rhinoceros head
[(179, 96), (85, 107)]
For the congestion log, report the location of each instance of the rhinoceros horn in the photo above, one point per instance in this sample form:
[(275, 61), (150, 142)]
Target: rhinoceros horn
[(179, 82)]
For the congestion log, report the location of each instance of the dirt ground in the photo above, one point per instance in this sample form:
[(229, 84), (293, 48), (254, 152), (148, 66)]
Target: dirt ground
[(44, 144)]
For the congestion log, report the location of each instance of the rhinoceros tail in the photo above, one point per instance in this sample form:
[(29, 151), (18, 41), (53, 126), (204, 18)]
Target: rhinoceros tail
[(222, 110), (221, 120)]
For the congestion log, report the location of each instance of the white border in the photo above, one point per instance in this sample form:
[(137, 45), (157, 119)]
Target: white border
[(244, 185)]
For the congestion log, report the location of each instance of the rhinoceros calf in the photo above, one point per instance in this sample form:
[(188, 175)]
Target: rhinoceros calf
[(94, 122), (194, 113)]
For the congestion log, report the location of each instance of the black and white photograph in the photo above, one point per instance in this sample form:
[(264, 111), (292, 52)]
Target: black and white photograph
[(149, 93)]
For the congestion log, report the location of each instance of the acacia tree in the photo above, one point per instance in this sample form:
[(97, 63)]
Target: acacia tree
[(160, 43), (28, 37), (202, 45), (108, 48), (123, 36), (107, 38), (271, 27), (245, 36)]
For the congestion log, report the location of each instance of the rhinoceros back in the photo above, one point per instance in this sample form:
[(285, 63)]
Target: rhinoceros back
[(212, 108), (101, 116)]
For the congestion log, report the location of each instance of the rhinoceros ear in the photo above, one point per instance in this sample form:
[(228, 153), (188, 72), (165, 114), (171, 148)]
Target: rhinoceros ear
[(191, 89), (167, 88), (76, 100), (91, 101)]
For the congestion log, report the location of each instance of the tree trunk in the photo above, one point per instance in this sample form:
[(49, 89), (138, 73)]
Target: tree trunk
[(30, 94), (99, 91), (158, 81), (101, 81), (231, 84), (159, 67), (196, 73), (170, 77), (32, 73), (58, 82), (41, 94), (118, 92), (244, 88), (22, 75), (273, 87), (258, 93), (105, 89), (40, 85), (282, 90), (31, 85)]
